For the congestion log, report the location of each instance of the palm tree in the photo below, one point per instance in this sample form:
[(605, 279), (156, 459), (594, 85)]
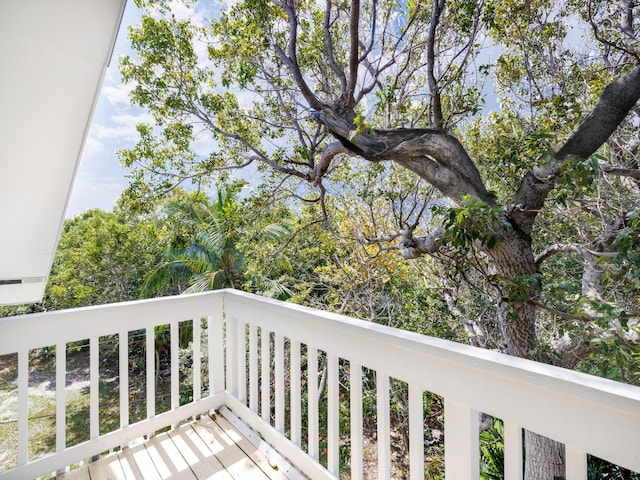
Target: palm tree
[(210, 260)]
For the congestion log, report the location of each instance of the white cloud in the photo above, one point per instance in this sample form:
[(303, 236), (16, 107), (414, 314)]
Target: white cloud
[(122, 127), (94, 191), (93, 146), (117, 94)]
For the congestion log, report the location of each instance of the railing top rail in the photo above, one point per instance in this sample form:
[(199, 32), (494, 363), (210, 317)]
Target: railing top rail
[(474, 357), (38, 330), (594, 414)]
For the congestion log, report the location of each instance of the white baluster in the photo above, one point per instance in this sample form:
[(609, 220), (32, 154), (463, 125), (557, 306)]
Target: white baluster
[(123, 368), (265, 372), (23, 407), (254, 384), (355, 401), (384, 426), (333, 418), (94, 387), (416, 433), (279, 381), (461, 441), (197, 359), (513, 451), (576, 463), (295, 381), (61, 400), (312, 385)]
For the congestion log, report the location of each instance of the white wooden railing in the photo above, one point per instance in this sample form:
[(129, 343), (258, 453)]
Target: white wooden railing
[(264, 363)]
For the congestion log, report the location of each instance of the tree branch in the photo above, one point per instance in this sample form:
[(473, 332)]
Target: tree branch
[(411, 247), (353, 52), (438, 118), (329, 46), (615, 102), (622, 172), (291, 61)]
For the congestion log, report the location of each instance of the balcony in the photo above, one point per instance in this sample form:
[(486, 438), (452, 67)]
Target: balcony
[(266, 363)]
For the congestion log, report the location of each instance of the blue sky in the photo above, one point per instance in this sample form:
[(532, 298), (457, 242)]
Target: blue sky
[(100, 178)]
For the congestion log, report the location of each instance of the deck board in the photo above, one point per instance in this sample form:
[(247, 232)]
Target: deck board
[(206, 449)]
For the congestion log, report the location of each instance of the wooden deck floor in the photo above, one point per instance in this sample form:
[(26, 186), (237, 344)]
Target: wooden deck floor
[(208, 448)]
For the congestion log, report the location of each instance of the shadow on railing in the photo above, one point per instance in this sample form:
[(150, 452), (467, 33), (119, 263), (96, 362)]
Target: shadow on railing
[(298, 377)]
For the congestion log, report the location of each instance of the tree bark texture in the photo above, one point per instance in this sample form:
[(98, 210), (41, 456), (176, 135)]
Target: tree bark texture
[(545, 458), (441, 160)]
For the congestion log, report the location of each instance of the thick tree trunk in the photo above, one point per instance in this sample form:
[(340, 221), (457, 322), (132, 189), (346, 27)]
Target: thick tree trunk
[(545, 458)]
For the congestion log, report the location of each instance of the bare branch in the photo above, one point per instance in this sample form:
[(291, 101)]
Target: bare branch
[(328, 154), (438, 118), (411, 247), (353, 52), (555, 249), (622, 172), (291, 61), (615, 102), (329, 46)]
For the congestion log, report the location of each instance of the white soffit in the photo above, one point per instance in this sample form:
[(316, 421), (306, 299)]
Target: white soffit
[(53, 56)]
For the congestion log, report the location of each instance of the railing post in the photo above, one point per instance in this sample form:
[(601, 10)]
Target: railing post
[(23, 407), (150, 361), (232, 356), (215, 328), (61, 383), (241, 361), (513, 451), (333, 419), (384, 425), (278, 373), (312, 413), (265, 374), (355, 406), (416, 433), (576, 464), (296, 393), (461, 441), (197, 359), (254, 383), (94, 388), (123, 367), (175, 364)]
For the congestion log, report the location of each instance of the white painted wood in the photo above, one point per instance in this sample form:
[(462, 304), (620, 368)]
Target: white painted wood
[(355, 412), (94, 387), (112, 439), (265, 374), (279, 381), (312, 414), (588, 411), (23, 407), (384, 426), (175, 364), (416, 434), (576, 463), (123, 369), (61, 397), (241, 360), (333, 418), (254, 383), (295, 380), (513, 451), (150, 368), (216, 353), (231, 358), (197, 359), (303, 461), (461, 441)]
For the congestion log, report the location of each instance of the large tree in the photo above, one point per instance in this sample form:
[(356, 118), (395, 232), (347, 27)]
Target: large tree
[(543, 176)]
